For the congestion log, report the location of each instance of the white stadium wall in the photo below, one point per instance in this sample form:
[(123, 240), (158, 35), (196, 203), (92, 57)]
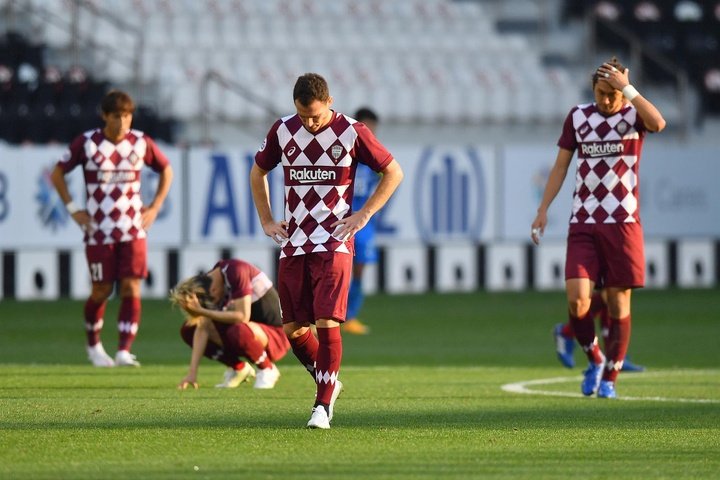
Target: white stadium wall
[(459, 222)]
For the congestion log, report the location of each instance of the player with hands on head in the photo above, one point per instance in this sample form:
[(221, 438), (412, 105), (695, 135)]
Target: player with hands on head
[(605, 238), (233, 314), (319, 150), (114, 221)]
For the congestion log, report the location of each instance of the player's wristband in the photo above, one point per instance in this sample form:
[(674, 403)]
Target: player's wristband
[(72, 208), (630, 92)]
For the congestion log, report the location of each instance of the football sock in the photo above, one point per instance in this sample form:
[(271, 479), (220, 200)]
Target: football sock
[(305, 348), (128, 321), (605, 326), (355, 298), (616, 348), (584, 329), (567, 331), (328, 364), (93, 320)]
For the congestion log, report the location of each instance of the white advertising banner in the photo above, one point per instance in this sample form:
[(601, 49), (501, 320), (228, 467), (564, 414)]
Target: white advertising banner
[(448, 193), (32, 214), (679, 194)]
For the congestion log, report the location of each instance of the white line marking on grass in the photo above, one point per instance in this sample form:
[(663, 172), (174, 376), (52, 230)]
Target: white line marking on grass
[(522, 387)]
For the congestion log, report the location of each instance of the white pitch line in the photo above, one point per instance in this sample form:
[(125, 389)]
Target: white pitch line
[(522, 387)]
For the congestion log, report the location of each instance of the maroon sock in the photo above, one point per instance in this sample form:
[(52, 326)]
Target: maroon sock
[(584, 329), (305, 348), (616, 349), (128, 321), (212, 351), (329, 355), (242, 340), (93, 320)]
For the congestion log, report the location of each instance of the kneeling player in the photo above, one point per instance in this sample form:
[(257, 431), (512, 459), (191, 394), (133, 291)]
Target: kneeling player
[(233, 314)]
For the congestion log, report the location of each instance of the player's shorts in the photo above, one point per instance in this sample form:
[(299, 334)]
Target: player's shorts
[(277, 346), (314, 286), (114, 261), (611, 255), (365, 248)]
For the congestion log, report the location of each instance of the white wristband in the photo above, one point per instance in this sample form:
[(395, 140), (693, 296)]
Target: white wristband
[(72, 208), (630, 92)]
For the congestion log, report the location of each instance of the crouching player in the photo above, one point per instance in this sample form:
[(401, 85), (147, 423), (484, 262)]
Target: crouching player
[(233, 315)]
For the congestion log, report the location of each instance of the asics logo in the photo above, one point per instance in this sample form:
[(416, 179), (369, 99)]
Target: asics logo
[(291, 151)]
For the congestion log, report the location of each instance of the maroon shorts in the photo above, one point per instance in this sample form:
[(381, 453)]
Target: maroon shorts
[(314, 286), (277, 346), (611, 255), (111, 262)]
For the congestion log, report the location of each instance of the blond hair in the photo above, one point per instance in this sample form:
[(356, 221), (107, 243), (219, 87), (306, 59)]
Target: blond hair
[(198, 285)]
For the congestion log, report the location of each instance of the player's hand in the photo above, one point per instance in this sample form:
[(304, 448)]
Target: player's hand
[(148, 217), (537, 229), (350, 225), (277, 231), (191, 304), (617, 79), (188, 381), (83, 218)]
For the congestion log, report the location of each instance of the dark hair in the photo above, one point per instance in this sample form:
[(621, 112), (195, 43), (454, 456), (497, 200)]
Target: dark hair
[(117, 101), (614, 62), (365, 114), (310, 87)]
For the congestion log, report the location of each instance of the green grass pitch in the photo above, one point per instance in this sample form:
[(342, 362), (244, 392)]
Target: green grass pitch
[(424, 398)]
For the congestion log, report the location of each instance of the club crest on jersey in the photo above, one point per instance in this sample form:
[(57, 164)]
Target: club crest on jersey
[(133, 157), (622, 127), (336, 151)]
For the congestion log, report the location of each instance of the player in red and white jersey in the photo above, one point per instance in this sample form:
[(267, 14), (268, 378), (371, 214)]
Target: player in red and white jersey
[(114, 219), (319, 150), (233, 313), (605, 239)]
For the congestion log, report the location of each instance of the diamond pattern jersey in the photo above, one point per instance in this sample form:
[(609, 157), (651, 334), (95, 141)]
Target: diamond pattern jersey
[(319, 171), (112, 180), (608, 160)]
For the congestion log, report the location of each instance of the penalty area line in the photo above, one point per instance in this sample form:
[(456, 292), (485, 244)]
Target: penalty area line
[(523, 388)]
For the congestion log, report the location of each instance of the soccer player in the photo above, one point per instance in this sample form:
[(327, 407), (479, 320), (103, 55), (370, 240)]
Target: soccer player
[(365, 250), (565, 337), (114, 219), (605, 238), (233, 314), (319, 150)]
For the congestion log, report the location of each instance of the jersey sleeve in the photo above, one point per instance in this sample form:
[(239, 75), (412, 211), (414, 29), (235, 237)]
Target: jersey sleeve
[(369, 150), (73, 156), (239, 276), (154, 157), (567, 139), (269, 153)]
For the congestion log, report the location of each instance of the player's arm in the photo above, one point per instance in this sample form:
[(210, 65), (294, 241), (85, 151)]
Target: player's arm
[(150, 213), (392, 175), (552, 187), (238, 311), (200, 340), (79, 215), (650, 115), (261, 197)]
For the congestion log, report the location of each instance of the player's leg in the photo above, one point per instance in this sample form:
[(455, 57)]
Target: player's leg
[(356, 297), (250, 341), (582, 270), (297, 314), (330, 273), (131, 268), (100, 260), (238, 371), (624, 252)]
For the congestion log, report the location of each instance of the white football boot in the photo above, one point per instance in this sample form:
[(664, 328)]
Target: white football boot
[(233, 378), (123, 358), (98, 357)]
